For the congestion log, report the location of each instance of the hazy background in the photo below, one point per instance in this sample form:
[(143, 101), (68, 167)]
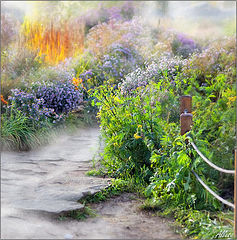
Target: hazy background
[(202, 18)]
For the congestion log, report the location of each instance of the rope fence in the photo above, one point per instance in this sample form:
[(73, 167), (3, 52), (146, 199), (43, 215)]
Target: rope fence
[(186, 122), (209, 162), (212, 192)]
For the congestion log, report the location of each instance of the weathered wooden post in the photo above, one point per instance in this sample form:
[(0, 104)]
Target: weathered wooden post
[(185, 114), (185, 104), (235, 197)]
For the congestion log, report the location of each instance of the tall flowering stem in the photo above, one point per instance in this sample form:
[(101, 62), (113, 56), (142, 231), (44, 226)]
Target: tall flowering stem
[(3, 100), (55, 42)]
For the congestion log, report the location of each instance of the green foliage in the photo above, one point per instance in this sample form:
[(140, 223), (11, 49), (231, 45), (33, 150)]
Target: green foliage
[(95, 172), (142, 138), (19, 133), (202, 225), (130, 125), (193, 223)]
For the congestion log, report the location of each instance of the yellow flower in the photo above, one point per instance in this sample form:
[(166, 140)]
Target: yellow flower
[(116, 99), (139, 126), (232, 99), (137, 136)]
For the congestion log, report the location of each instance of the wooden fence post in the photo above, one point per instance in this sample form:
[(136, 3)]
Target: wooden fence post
[(185, 104), (235, 197), (185, 114)]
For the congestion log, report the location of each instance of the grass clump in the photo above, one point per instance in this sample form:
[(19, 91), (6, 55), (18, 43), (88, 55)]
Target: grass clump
[(19, 133), (117, 187), (78, 215), (194, 223)]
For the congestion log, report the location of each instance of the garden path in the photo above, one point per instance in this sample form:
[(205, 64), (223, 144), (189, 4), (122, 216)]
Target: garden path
[(38, 185)]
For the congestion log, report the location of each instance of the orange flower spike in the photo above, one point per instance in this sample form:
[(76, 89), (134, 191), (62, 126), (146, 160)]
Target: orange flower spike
[(3, 100)]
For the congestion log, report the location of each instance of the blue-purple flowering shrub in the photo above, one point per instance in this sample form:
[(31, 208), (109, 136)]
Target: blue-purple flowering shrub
[(118, 62), (48, 101), (31, 112), (32, 107), (112, 67), (184, 46), (62, 97)]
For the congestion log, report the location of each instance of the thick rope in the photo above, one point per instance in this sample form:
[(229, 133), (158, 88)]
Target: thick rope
[(213, 193), (210, 163)]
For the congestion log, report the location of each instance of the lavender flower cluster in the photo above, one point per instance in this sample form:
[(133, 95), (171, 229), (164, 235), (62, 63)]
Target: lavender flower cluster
[(119, 61), (47, 101), (165, 66), (62, 97), (125, 11), (114, 65), (184, 46), (32, 107)]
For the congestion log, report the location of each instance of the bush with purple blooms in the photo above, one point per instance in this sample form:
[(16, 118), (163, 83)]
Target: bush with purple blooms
[(32, 107), (113, 66), (184, 46), (62, 97), (219, 57), (133, 33), (49, 102)]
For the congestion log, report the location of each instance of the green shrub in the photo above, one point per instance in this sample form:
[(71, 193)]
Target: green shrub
[(130, 125)]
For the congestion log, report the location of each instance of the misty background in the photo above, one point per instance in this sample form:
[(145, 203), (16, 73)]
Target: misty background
[(206, 19)]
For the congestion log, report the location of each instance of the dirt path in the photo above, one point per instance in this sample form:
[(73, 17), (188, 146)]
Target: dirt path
[(121, 218), (37, 186)]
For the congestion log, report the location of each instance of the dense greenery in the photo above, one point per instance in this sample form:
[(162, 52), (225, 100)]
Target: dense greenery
[(142, 134)]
